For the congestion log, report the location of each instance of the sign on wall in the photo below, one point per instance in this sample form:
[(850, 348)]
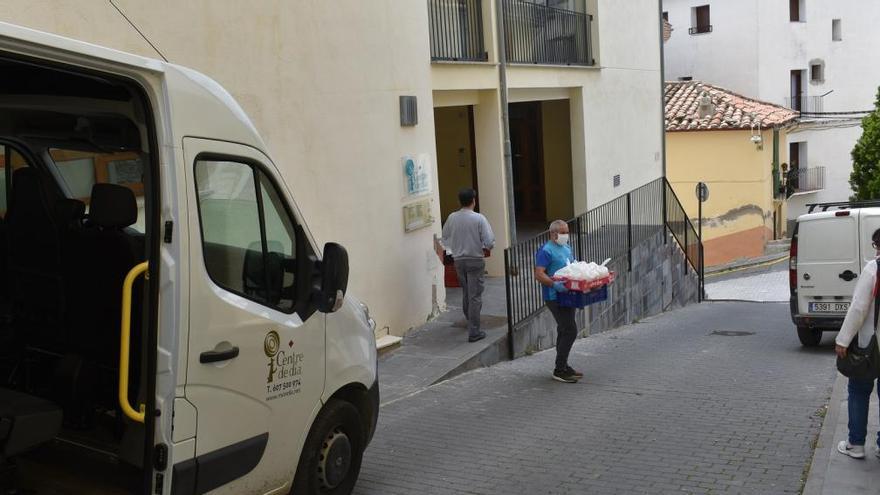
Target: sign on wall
[(417, 174), (417, 215)]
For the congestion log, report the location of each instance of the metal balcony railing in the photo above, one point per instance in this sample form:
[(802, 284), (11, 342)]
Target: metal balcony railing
[(804, 104), (456, 30), (539, 34), (803, 180), (706, 28)]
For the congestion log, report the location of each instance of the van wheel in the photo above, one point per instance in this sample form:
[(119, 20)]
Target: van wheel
[(810, 337), (331, 458)]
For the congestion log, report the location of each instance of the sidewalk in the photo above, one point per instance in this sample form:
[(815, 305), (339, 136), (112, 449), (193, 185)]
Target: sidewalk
[(832, 473), (439, 349)]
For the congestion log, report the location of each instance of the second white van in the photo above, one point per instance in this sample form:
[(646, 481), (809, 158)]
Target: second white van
[(829, 247)]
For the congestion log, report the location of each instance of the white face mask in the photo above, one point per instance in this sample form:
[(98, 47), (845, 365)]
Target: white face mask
[(562, 239)]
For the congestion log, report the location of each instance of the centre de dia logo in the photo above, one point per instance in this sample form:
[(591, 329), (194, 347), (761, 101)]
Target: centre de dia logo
[(282, 364)]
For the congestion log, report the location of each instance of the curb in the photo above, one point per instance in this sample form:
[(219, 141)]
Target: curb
[(749, 263), (815, 481)]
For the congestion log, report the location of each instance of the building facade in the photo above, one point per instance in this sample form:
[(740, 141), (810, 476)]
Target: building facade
[(809, 55), (731, 143), (378, 112)]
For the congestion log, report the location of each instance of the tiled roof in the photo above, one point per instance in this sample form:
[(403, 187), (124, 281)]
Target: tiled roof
[(729, 110), (667, 30)]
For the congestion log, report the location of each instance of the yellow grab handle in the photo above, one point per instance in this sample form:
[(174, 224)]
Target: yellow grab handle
[(124, 344)]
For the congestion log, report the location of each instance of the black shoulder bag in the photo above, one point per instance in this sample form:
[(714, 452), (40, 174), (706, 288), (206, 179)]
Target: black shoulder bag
[(863, 363)]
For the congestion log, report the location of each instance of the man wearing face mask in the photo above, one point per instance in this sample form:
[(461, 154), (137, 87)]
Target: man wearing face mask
[(552, 256)]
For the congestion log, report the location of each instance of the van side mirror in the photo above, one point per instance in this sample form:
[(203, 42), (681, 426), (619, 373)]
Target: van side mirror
[(334, 278)]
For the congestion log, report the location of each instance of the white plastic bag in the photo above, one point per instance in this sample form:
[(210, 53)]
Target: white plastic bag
[(581, 270)]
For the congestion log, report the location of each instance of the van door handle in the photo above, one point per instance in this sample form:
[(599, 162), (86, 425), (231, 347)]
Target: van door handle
[(217, 356), (848, 275)]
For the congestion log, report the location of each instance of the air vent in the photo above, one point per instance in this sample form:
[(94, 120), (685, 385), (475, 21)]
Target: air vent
[(409, 111), (617, 180)]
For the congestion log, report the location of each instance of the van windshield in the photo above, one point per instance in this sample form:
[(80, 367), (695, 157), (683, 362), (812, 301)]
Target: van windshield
[(80, 170)]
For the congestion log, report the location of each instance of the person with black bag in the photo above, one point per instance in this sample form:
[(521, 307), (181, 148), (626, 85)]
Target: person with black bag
[(858, 356)]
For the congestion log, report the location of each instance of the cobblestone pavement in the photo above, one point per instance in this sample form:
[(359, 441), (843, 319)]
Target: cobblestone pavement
[(713, 398), (769, 285)]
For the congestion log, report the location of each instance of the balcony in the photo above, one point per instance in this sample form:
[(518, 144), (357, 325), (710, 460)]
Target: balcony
[(700, 29), (804, 104), (804, 180), (537, 33), (456, 30)]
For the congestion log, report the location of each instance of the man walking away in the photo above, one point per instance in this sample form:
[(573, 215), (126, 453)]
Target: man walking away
[(552, 256), (467, 235)]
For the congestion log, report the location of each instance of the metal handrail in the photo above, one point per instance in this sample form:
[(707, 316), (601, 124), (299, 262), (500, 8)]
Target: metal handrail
[(611, 230), (125, 345)]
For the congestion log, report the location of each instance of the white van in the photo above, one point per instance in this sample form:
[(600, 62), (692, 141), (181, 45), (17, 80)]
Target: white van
[(829, 247), (166, 323)]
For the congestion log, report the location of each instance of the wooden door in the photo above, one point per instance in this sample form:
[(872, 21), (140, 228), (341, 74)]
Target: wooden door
[(528, 162)]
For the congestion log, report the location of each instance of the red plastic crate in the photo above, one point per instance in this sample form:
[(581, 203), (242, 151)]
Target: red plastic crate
[(585, 285)]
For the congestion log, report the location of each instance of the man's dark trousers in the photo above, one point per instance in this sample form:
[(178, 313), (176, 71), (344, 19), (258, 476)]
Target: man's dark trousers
[(470, 276), (566, 332)]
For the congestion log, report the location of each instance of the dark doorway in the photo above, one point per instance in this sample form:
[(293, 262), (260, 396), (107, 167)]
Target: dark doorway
[(797, 89), (528, 161), (794, 159), (456, 155)]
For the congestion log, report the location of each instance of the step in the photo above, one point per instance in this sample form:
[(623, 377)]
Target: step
[(439, 351)]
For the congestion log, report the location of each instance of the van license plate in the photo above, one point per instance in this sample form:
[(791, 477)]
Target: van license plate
[(830, 307)]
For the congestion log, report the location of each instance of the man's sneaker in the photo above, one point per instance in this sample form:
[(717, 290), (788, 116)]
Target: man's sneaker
[(573, 372), (564, 376), (854, 451), (479, 336)]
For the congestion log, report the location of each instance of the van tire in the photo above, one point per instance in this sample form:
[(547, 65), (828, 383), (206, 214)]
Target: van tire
[(337, 431), (810, 337)]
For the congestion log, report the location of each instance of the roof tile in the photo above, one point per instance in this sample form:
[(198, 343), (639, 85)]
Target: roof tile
[(732, 111)]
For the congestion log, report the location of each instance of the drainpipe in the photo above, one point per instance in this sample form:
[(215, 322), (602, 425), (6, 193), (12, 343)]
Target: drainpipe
[(505, 120), (662, 91)]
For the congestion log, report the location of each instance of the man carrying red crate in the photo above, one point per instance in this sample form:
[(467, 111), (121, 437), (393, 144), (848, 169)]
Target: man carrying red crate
[(551, 257)]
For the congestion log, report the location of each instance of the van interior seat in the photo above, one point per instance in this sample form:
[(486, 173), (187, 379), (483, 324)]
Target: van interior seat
[(26, 422), (105, 252), (37, 225)]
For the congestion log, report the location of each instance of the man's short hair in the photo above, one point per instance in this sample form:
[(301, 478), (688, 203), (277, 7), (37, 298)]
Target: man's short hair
[(876, 237), (556, 225), (466, 196)]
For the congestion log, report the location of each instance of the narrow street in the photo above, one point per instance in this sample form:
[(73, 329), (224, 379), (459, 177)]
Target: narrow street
[(713, 398)]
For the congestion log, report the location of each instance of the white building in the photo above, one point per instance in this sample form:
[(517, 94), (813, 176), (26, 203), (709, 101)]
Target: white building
[(323, 83), (811, 55)]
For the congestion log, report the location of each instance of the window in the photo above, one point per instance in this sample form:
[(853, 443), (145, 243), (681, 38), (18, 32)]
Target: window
[(817, 72), (247, 234), (700, 20), (78, 171), (836, 34), (666, 16), (10, 161), (796, 10)]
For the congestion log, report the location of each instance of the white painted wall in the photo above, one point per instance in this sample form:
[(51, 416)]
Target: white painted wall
[(728, 56), (753, 48)]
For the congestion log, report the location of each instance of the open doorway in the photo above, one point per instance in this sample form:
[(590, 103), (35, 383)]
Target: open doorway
[(456, 155), (540, 138), (76, 152)]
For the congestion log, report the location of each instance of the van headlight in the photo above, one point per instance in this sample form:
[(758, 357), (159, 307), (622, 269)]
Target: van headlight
[(370, 321)]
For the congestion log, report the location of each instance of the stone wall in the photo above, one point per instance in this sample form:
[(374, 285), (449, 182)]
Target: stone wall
[(660, 280)]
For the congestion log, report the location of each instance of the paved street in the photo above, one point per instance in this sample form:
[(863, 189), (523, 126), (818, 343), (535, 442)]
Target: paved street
[(766, 284), (713, 398)]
